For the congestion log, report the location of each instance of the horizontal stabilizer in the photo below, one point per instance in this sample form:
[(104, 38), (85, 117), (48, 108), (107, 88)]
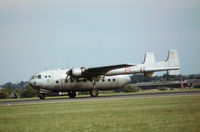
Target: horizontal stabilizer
[(174, 72)]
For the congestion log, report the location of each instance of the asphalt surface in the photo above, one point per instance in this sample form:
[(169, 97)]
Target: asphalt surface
[(110, 97)]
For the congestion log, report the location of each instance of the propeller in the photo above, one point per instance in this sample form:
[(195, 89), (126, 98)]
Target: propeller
[(69, 74), (77, 73)]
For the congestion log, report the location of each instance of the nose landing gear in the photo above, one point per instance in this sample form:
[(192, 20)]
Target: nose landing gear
[(42, 96), (72, 94)]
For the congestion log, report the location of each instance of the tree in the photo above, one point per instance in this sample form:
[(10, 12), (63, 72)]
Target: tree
[(198, 76), (28, 92), (197, 85), (3, 95), (9, 90), (130, 88)]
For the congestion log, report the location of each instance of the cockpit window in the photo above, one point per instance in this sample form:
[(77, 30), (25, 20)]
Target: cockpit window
[(33, 77), (39, 76)]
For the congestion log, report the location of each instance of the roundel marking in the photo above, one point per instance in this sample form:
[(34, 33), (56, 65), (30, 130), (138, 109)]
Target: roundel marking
[(127, 70)]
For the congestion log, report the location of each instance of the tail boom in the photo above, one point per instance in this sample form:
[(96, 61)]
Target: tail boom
[(149, 66)]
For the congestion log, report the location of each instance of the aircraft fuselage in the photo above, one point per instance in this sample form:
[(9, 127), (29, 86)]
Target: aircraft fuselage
[(57, 81)]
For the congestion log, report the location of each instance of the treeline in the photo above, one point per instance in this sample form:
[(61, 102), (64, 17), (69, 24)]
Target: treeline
[(20, 90), (19, 85), (138, 78)]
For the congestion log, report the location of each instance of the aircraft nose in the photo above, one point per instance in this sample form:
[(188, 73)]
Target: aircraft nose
[(30, 82)]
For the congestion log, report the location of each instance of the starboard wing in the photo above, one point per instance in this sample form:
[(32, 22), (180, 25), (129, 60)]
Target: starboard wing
[(102, 70)]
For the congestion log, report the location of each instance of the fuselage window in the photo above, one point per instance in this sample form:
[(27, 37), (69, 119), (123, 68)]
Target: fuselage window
[(109, 80), (103, 80), (39, 76), (49, 76), (56, 81), (113, 79), (45, 76)]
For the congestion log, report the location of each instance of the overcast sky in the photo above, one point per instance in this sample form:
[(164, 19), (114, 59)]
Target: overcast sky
[(36, 35)]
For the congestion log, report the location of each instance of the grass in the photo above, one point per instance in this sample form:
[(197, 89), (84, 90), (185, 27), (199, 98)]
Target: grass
[(177, 114)]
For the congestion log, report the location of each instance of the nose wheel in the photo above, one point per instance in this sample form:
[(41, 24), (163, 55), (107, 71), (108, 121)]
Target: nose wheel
[(72, 94), (42, 96)]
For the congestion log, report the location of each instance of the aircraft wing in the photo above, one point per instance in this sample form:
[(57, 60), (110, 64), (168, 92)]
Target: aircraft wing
[(97, 71), (148, 67)]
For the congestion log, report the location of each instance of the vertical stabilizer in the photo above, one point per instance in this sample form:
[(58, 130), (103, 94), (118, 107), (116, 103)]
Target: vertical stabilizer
[(149, 58), (173, 61)]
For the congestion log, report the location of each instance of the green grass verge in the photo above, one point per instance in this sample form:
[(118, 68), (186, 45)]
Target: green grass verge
[(177, 114)]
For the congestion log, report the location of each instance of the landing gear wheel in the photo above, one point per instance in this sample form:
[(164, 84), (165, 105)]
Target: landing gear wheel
[(72, 94), (94, 93), (42, 96)]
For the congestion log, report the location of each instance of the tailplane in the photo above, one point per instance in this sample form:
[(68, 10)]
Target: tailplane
[(171, 65)]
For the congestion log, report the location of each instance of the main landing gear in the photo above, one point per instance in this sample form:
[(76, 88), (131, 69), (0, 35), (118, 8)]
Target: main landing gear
[(42, 96), (72, 94), (94, 93)]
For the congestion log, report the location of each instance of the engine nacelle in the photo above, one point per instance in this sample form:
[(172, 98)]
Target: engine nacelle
[(77, 72)]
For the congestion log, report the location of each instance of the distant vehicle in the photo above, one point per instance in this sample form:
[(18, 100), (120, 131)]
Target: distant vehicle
[(100, 78)]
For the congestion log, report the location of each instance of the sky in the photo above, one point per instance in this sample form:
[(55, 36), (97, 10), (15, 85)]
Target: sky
[(38, 35)]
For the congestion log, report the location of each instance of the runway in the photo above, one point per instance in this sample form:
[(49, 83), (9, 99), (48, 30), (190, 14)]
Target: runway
[(110, 97)]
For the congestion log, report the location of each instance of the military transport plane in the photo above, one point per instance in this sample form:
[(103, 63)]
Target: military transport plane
[(100, 78)]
